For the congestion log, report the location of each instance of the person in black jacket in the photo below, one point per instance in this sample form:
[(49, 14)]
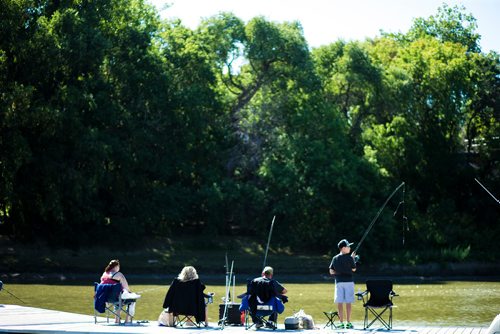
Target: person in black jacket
[(185, 296)]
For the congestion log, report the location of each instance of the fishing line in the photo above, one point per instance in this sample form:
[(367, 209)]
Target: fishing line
[(10, 293), (376, 217), (403, 213), (487, 191), (152, 289)]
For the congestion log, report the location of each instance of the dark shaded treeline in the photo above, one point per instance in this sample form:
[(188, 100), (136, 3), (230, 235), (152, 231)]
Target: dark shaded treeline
[(115, 124)]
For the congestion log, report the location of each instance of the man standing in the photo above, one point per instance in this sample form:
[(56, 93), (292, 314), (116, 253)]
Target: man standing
[(342, 266)]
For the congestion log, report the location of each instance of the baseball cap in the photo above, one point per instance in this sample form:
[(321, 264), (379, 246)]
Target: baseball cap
[(344, 243)]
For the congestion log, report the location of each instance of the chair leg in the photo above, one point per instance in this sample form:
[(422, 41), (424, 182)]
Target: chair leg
[(390, 318), (379, 317), (247, 320), (119, 311), (177, 321), (181, 319), (330, 316)]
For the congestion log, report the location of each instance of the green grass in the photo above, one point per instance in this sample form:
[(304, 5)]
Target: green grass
[(439, 304)]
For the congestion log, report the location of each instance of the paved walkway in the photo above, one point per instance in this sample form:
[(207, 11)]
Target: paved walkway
[(20, 319)]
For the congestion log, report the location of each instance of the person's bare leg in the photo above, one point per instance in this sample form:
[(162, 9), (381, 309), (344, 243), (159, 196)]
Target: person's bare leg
[(341, 311), (348, 309)]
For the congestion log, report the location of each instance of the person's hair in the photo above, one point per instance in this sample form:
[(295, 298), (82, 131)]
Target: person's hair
[(188, 273), (268, 271), (112, 264)]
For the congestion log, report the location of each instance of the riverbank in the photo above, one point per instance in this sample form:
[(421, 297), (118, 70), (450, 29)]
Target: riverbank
[(162, 259), (219, 279)]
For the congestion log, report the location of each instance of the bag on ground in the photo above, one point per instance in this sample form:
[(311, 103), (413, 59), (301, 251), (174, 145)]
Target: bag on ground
[(291, 323), (166, 319), (305, 321)]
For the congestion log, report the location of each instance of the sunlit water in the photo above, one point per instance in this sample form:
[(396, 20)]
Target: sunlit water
[(434, 304)]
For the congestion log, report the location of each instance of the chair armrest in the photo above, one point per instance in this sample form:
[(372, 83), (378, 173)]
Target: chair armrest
[(209, 297), (393, 294), (361, 294)]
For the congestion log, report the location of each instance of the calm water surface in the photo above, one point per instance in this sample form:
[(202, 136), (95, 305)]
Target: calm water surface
[(456, 303)]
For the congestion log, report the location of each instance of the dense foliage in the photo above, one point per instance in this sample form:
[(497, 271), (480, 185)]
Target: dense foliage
[(116, 123)]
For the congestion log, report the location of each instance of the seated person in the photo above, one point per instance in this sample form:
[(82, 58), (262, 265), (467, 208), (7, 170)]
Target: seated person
[(261, 290), (185, 296), (112, 275)]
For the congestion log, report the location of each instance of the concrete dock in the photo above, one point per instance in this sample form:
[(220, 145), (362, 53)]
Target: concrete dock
[(20, 319)]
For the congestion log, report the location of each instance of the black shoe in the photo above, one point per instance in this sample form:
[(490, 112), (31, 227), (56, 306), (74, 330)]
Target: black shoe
[(271, 325)]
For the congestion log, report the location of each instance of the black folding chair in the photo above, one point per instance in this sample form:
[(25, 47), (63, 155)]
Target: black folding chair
[(185, 319), (188, 303), (377, 299)]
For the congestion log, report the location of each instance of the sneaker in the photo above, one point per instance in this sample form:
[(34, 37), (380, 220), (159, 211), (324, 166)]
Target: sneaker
[(259, 325), (130, 295), (270, 324), (341, 325), (349, 326)]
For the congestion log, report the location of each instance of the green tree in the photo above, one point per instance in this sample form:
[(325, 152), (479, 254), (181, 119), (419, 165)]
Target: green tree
[(67, 107), (432, 99), (352, 82), (451, 24)]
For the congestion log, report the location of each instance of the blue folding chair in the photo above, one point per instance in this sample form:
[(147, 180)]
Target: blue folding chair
[(256, 310), (108, 299)]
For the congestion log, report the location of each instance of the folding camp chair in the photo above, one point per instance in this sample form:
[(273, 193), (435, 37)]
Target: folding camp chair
[(260, 301), (377, 299), (330, 316), (184, 319), (108, 298), (187, 302), (257, 318)]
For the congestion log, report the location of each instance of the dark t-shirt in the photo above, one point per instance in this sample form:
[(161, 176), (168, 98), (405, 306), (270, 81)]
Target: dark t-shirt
[(264, 283), (343, 265)]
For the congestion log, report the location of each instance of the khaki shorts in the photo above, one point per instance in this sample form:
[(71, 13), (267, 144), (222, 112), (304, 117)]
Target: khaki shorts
[(344, 292)]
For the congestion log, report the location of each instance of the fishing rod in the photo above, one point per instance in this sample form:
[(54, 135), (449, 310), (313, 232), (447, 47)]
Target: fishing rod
[(268, 241), (10, 293), (378, 214), (222, 321), (487, 191), (229, 280)]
